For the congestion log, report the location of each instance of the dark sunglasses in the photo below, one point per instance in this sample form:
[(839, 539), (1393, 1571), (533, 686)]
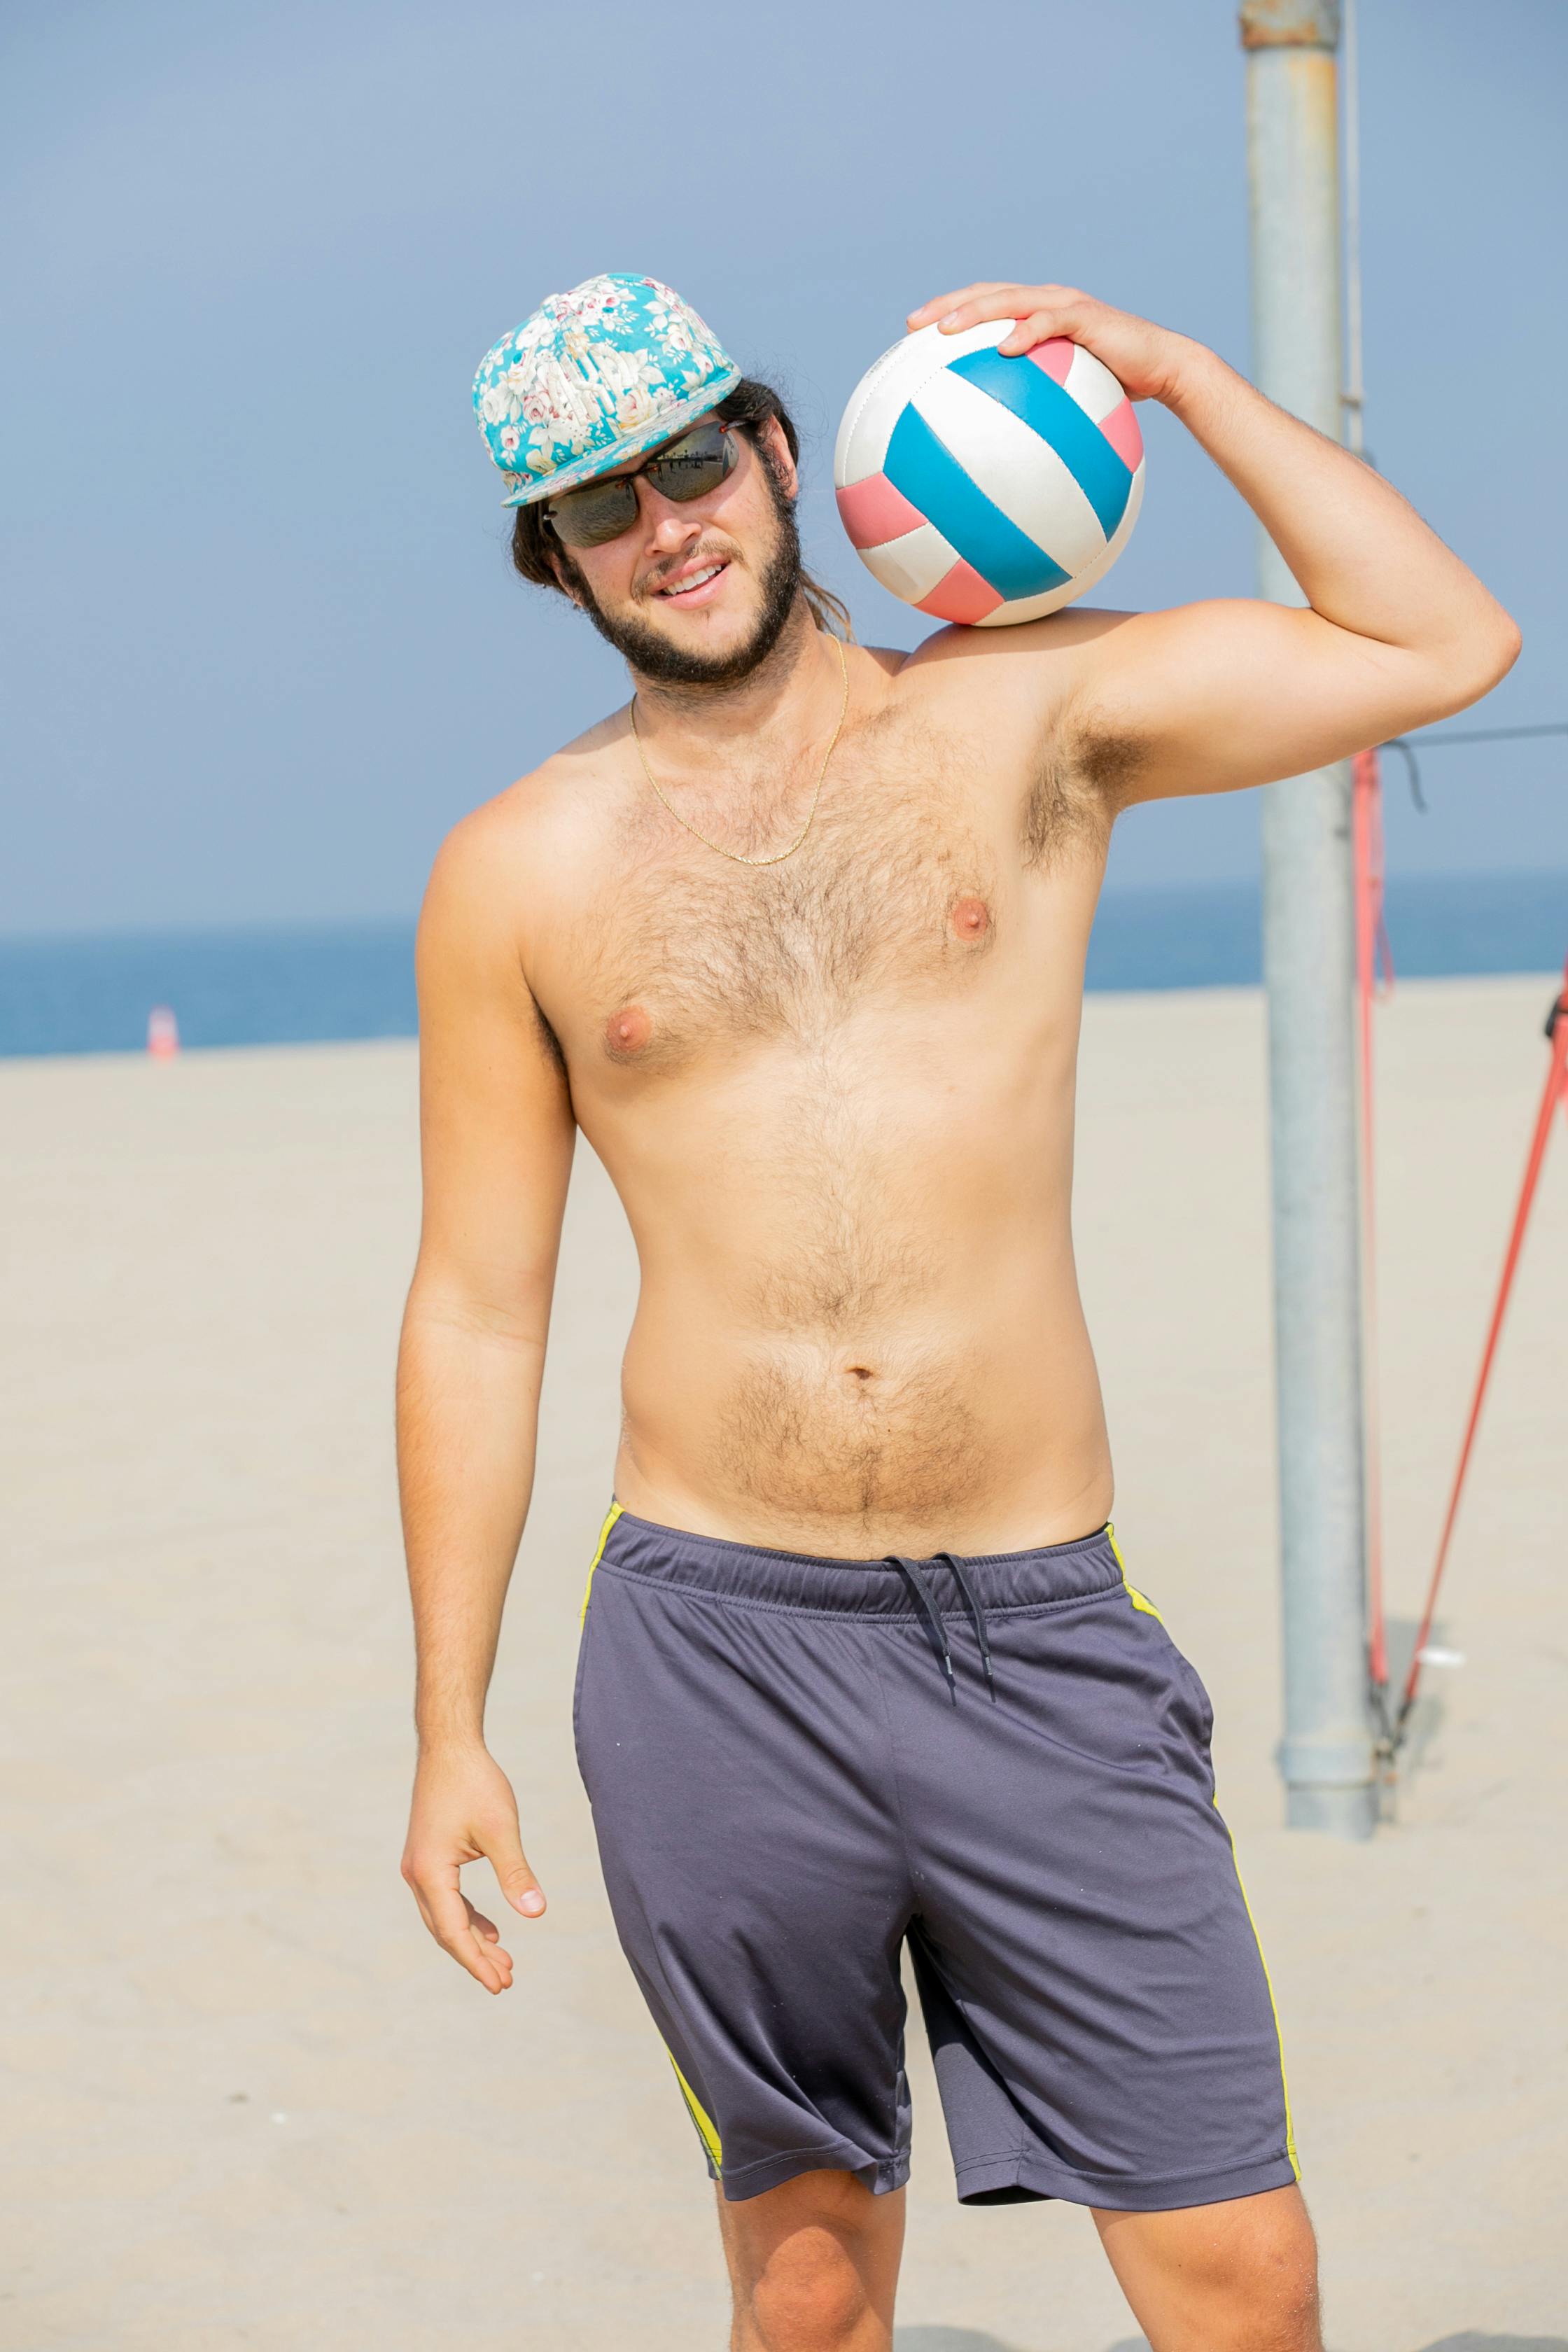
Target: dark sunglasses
[(687, 468)]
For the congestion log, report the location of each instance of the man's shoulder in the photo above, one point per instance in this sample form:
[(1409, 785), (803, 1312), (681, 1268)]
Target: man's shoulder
[(533, 825), (559, 781), (979, 661), (537, 805)]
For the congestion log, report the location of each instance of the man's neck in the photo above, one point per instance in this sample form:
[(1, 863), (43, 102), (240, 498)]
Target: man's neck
[(779, 701)]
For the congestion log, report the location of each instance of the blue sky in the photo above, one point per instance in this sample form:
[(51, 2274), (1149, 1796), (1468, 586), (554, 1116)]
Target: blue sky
[(262, 644)]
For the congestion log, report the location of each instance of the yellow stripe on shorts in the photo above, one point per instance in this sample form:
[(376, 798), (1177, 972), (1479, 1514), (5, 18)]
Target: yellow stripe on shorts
[(611, 1516), (699, 2114), (1273, 2006), (1139, 1599)]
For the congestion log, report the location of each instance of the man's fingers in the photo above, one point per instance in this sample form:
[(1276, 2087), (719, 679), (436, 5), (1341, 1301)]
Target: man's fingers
[(486, 1936), (1040, 311), (1037, 328), (975, 304), (506, 1858), (450, 1917), (940, 304)]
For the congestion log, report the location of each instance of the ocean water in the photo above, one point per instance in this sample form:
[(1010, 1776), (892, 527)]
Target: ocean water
[(286, 985)]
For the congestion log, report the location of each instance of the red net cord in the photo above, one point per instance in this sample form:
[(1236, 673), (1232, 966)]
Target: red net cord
[(1555, 1093), (1371, 953)]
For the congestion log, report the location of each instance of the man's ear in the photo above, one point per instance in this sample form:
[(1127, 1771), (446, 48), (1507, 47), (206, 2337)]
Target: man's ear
[(772, 433), (563, 580)]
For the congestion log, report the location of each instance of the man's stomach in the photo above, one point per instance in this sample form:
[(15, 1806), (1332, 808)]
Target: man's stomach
[(859, 1327), (968, 1419)]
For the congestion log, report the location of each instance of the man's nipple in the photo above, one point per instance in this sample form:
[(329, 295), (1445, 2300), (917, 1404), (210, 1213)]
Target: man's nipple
[(626, 1032), (970, 917)]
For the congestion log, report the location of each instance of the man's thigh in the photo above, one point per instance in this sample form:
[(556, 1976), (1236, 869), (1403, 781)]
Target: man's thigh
[(1240, 2276)]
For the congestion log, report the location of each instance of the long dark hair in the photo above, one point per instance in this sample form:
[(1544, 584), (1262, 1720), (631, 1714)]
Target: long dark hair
[(751, 403)]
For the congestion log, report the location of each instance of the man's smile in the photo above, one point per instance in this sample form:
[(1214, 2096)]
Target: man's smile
[(694, 583)]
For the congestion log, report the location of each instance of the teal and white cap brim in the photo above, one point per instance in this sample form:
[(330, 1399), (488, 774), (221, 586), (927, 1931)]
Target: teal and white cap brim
[(528, 489)]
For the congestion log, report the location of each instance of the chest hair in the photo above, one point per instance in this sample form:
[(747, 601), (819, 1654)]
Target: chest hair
[(911, 838)]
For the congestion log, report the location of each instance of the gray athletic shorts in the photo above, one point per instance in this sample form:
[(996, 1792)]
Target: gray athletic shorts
[(797, 1765)]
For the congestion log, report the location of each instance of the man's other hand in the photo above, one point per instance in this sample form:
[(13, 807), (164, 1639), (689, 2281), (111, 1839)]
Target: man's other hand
[(464, 1810)]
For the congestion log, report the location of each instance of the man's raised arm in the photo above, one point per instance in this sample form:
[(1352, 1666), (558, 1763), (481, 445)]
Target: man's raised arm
[(496, 1134), (1396, 630)]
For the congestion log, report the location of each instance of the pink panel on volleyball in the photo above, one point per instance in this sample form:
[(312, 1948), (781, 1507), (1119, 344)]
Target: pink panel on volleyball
[(1120, 429), (873, 512), (960, 595), (1055, 357)]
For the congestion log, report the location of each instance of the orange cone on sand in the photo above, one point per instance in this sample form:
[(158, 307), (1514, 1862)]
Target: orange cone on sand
[(163, 1033)]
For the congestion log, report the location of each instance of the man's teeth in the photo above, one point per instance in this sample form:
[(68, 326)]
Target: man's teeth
[(696, 581)]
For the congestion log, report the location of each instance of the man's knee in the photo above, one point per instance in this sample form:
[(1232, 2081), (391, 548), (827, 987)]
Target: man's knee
[(1235, 2277), (1264, 2299), (813, 2265), (808, 2298), (1269, 2276)]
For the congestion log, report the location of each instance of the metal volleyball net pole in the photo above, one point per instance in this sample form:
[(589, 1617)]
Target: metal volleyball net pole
[(1326, 1754)]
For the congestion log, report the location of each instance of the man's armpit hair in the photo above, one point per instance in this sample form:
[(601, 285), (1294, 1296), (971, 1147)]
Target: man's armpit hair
[(1067, 808), (1109, 761), (548, 1038), (1082, 782)]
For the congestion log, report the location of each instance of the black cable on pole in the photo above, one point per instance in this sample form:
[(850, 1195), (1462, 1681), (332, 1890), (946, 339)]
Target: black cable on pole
[(1404, 746), (1397, 743), (1496, 734)]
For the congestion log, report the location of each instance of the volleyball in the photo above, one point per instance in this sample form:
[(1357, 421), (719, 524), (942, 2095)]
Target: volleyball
[(985, 490)]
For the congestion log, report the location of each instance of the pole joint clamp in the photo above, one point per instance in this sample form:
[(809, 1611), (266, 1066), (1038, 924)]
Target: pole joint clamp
[(1289, 23), (1326, 1763)]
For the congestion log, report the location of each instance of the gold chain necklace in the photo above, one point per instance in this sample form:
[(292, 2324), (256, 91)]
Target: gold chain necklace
[(778, 855)]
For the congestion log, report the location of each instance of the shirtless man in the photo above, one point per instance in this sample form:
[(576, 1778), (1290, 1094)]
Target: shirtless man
[(797, 940)]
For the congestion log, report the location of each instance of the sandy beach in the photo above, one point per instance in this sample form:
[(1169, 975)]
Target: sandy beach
[(248, 2103)]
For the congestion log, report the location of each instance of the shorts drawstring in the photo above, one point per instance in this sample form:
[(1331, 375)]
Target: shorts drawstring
[(976, 1612), (932, 1615), (921, 1593)]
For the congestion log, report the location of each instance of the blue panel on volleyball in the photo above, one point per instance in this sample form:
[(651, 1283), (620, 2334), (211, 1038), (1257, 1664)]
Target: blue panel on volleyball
[(1052, 412), (927, 473)]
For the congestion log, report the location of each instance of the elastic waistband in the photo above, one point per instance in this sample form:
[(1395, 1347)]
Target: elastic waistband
[(1053, 1574)]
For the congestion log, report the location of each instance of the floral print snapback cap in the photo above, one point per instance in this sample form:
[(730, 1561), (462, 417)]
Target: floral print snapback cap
[(594, 378)]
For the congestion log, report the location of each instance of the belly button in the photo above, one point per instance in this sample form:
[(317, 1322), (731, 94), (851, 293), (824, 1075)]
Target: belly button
[(859, 1372), (626, 1032), (970, 917)]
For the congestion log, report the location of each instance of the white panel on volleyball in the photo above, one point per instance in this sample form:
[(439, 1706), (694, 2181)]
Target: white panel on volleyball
[(1035, 608), (867, 425), (1092, 385), (912, 565), (1016, 470)]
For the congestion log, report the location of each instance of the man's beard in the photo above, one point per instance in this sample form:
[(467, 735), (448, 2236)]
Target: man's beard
[(653, 656)]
